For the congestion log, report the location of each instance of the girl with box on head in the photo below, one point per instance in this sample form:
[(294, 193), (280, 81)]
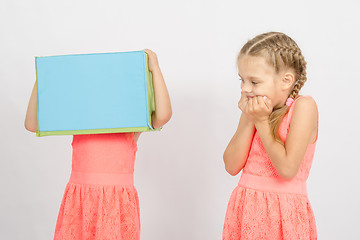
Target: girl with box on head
[(100, 200), (274, 144)]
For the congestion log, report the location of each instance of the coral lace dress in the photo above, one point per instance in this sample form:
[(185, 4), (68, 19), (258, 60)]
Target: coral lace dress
[(263, 205), (100, 201)]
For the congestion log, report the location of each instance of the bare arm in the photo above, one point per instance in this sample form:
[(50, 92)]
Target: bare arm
[(237, 151), (31, 113), (163, 110), (286, 158)]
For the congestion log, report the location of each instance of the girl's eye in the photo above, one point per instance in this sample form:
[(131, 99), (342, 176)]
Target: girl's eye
[(254, 83), (241, 80)]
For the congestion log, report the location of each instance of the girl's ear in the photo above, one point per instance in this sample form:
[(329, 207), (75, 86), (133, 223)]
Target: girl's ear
[(288, 80)]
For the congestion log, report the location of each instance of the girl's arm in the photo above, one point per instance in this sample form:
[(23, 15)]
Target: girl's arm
[(163, 112), (286, 158), (31, 114), (237, 151)]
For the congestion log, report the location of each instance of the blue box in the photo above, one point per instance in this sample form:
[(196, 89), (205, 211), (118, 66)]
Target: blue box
[(94, 93)]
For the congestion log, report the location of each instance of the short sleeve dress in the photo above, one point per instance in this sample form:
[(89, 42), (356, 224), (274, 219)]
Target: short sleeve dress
[(265, 206), (100, 201)]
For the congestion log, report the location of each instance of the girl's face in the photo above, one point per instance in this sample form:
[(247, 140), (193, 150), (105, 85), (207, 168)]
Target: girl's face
[(258, 78)]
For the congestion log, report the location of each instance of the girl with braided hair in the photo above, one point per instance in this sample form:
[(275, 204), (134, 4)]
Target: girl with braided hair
[(274, 144)]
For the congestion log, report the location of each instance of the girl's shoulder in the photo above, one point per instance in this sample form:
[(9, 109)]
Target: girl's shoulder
[(304, 116), (304, 104), (305, 98), (302, 108)]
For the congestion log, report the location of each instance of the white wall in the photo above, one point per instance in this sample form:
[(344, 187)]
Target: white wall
[(180, 177)]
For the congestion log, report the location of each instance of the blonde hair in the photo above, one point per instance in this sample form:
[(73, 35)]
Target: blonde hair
[(281, 52)]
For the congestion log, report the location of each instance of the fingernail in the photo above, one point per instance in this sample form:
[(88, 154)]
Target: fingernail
[(264, 97)]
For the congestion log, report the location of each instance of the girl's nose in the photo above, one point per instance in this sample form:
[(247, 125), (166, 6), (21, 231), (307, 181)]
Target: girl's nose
[(245, 87)]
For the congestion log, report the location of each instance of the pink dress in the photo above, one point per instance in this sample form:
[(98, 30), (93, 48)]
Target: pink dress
[(100, 201), (265, 206)]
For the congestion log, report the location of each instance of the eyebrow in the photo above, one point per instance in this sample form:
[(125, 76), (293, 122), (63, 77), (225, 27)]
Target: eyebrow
[(251, 78)]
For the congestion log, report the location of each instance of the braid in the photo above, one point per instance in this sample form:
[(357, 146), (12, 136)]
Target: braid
[(281, 52), (301, 78)]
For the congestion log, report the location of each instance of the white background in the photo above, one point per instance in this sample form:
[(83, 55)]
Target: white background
[(179, 172)]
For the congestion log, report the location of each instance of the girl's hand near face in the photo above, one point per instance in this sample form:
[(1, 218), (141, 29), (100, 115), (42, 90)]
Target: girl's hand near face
[(243, 103), (259, 108), (237, 151)]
